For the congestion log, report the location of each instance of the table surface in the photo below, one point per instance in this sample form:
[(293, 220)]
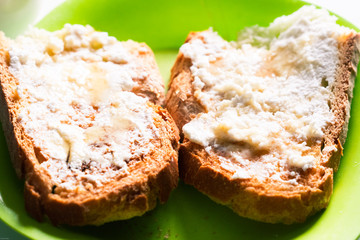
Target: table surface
[(10, 10)]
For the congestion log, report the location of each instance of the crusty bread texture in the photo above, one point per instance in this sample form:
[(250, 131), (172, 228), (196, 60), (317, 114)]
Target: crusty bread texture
[(264, 119), (80, 112)]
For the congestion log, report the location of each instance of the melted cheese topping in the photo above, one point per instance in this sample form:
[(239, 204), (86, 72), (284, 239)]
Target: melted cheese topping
[(75, 83), (269, 91)]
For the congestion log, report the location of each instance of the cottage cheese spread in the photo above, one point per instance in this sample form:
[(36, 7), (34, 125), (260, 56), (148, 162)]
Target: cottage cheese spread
[(75, 84), (270, 90)]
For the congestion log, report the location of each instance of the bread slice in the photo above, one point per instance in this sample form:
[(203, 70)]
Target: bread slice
[(81, 115), (264, 118)]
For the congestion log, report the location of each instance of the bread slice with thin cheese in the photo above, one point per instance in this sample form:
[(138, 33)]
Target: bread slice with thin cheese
[(81, 115), (264, 118)]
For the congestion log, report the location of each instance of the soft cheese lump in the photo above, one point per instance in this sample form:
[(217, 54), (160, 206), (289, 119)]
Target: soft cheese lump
[(270, 90), (79, 110)]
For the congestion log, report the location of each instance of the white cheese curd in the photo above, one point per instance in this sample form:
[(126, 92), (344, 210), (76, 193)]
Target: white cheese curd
[(79, 110), (269, 90)]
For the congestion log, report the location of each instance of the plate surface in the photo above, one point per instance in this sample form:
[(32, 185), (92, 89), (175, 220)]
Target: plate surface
[(188, 214)]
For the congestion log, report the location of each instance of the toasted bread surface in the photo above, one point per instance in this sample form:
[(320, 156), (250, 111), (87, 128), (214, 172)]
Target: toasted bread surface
[(103, 194), (269, 200)]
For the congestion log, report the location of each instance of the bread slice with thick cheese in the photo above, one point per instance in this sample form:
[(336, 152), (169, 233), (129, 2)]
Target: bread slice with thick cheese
[(81, 115), (264, 118)]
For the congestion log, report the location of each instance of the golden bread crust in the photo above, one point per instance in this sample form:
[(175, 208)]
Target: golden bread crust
[(151, 86), (180, 100)]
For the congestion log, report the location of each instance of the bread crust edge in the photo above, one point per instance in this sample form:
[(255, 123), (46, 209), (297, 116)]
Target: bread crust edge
[(133, 200), (242, 198)]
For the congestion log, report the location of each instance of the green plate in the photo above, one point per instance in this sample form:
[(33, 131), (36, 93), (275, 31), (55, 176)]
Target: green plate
[(188, 214)]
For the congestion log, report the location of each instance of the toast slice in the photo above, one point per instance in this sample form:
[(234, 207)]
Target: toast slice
[(81, 115), (263, 119)]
